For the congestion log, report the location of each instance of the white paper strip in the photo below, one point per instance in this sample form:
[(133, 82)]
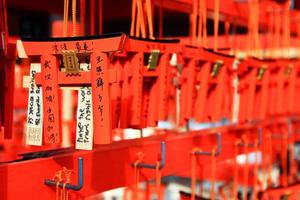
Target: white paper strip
[(84, 128), (34, 131)]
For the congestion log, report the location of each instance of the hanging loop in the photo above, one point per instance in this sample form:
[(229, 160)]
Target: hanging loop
[(161, 162), (208, 153), (259, 140), (70, 186)]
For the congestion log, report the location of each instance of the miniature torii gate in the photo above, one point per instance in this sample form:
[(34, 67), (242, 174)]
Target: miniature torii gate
[(210, 71), (51, 77)]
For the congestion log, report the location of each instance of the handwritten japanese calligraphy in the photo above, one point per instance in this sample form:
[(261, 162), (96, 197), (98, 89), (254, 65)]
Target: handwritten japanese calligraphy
[(34, 129), (80, 47), (50, 100), (100, 96), (84, 128)]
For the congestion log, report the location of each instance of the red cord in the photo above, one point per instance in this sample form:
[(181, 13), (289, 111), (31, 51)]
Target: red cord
[(193, 173), (255, 179), (100, 10), (82, 17), (246, 169), (235, 171), (92, 16), (158, 180), (213, 171), (133, 17), (137, 174)]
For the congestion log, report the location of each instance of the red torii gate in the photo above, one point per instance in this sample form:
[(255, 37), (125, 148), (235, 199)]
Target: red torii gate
[(49, 52), (206, 83)]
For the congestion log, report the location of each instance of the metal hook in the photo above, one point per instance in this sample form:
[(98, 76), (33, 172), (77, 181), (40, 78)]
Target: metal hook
[(290, 126), (219, 147), (69, 186), (259, 132), (161, 162), (259, 138)]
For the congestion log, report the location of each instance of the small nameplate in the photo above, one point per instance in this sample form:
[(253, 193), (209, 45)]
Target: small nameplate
[(153, 59), (84, 125), (70, 61), (34, 131)]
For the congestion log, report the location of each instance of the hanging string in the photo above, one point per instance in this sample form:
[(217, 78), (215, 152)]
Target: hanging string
[(137, 173), (68, 180), (149, 16), (193, 177), (158, 180), (253, 27), (227, 28), (256, 24), (138, 20), (141, 21), (213, 174), (145, 15), (255, 178), (204, 19), (82, 17), (3, 16), (277, 29), (293, 163), (133, 17), (66, 16), (62, 176), (57, 190), (136, 179), (202, 29), (74, 17), (63, 193), (126, 194), (234, 48), (198, 21), (286, 29), (58, 179), (100, 8), (141, 18), (92, 16), (284, 159), (246, 168), (3, 26), (265, 157), (235, 171), (298, 33), (249, 33), (194, 21), (270, 153), (222, 194), (148, 191), (293, 167), (270, 29), (161, 19), (193, 173), (138, 23), (216, 23)]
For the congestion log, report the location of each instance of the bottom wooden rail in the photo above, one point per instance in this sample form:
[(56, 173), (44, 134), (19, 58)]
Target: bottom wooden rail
[(110, 166)]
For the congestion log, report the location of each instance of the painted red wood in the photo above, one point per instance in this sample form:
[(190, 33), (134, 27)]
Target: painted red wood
[(51, 99), (100, 98)]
